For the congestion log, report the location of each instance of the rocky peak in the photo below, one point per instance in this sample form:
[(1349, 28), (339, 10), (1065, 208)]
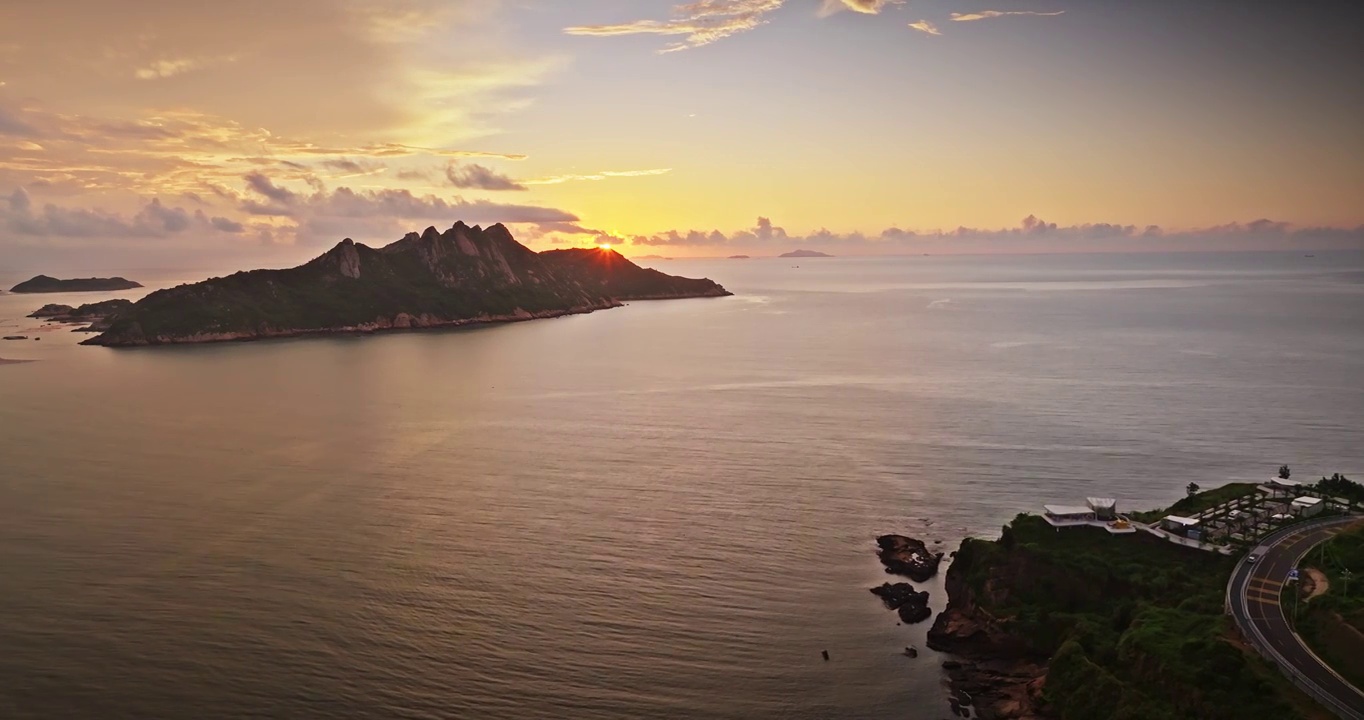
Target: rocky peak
[(347, 258)]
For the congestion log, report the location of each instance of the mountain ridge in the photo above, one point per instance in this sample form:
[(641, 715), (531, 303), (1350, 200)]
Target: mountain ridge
[(431, 279)]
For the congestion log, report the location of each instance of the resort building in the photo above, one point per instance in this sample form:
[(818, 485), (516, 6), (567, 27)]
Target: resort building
[(1096, 512), (1068, 514), (1183, 526), (1308, 506), (1104, 508), (1281, 488)]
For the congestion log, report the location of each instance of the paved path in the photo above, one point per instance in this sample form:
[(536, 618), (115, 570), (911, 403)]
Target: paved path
[(1253, 598)]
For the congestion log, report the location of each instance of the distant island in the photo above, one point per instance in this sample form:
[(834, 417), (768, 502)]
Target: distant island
[(804, 254), (463, 276), (738, 257), (652, 257), (45, 284)]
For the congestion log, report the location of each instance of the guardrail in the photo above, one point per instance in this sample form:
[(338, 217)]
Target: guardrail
[(1261, 644)]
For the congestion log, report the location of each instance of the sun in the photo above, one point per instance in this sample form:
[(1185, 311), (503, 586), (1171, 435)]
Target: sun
[(604, 246)]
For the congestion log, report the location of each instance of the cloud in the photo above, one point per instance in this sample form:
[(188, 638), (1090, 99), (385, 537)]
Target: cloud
[(263, 185), (344, 165), (603, 175), (868, 7), (154, 220), (225, 225), (925, 26), (170, 152), (161, 68), (987, 14), (11, 124), (1032, 234), (702, 22), (346, 212), (479, 177)]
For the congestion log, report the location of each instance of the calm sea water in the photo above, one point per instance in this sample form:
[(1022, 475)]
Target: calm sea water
[(664, 510)]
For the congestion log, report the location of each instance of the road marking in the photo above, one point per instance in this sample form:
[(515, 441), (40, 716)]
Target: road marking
[(1266, 584)]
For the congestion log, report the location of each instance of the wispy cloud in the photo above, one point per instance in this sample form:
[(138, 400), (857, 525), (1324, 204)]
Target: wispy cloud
[(925, 26), (702, 22), (559, 179), (160, 69), (988, 14), (478, 177), (867, 7), (1030, 235)]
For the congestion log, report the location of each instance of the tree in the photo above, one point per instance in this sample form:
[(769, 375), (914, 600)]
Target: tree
[(1192, 489), (1284, 472)]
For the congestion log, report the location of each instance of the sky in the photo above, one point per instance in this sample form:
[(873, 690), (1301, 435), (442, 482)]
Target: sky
[(181, 131)]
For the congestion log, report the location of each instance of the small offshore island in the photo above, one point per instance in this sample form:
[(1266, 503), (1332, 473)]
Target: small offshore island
[(45, 284), (463, 276), (1078, 621), (805, 254)]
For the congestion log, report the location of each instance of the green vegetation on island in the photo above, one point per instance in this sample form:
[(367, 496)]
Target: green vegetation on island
[(464, 275), (46, 284), (1121, 627)]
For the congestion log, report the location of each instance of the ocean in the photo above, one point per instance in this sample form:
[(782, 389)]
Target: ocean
[(665, 510)]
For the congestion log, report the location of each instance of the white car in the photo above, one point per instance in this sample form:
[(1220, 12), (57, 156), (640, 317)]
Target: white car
[(1252, 558)]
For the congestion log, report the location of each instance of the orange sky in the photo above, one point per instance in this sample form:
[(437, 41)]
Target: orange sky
[(160, 128)]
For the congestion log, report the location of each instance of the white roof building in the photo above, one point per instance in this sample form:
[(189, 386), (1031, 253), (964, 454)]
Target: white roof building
[(1307, 502), (1180, 520), (1068, 510)]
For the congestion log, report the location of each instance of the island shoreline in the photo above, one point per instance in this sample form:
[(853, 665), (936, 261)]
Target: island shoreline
[(387, 325)]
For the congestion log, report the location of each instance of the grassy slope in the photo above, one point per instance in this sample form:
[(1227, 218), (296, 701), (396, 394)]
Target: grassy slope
[(1333, 624), (1134, 626), (1198, 502)]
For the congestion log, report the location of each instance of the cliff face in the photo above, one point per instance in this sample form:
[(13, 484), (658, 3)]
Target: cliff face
[(1083, 624), (464, 275)]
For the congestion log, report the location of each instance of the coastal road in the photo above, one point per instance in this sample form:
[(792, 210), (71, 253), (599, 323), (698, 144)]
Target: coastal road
[(1253, 598)]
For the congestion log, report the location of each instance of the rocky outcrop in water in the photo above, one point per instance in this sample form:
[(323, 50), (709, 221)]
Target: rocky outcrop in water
[(907, 556), (912, 606), (462, 276)]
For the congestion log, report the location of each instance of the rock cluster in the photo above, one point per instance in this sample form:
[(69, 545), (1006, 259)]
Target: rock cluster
[(901, 597), (907, 556)]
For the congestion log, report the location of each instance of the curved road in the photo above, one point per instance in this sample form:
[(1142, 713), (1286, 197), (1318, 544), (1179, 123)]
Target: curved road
[(1253, 598)]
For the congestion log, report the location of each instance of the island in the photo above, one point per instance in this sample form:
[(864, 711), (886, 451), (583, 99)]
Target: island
[(805, 254), (95, 317), (45, 284), (738, 257), (1075, 620), (434, 279)]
